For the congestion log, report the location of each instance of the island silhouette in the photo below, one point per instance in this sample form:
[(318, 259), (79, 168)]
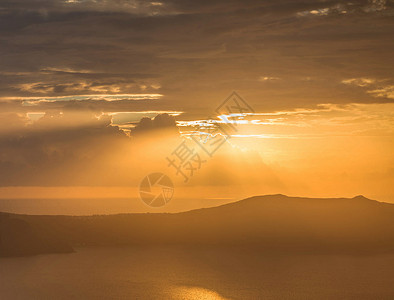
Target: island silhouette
[(272, 223)]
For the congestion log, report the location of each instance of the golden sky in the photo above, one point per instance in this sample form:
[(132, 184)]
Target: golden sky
[(76, 78)]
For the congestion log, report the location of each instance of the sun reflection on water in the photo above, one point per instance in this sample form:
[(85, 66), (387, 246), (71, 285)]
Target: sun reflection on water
[(195, 293)]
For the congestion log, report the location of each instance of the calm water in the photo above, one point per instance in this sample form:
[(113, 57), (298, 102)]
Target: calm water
[(175, 273), (100, 206)]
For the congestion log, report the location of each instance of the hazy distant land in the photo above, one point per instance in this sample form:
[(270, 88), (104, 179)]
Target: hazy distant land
[(272, 223)]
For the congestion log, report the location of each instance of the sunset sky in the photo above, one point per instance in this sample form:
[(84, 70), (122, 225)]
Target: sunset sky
[(77, 76)]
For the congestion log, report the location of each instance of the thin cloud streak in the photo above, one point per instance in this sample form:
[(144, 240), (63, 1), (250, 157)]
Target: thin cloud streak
[(97, 97)]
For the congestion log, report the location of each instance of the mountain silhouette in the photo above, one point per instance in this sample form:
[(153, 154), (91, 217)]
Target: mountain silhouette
[(19, 238), (268, 223)]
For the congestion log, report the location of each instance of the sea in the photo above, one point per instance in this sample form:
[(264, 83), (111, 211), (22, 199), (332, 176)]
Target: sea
[(195, 273)]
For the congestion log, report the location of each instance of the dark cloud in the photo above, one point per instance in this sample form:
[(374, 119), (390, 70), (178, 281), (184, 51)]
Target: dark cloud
[(79, 147), (196, 52), (59, 149), (161, 121)]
